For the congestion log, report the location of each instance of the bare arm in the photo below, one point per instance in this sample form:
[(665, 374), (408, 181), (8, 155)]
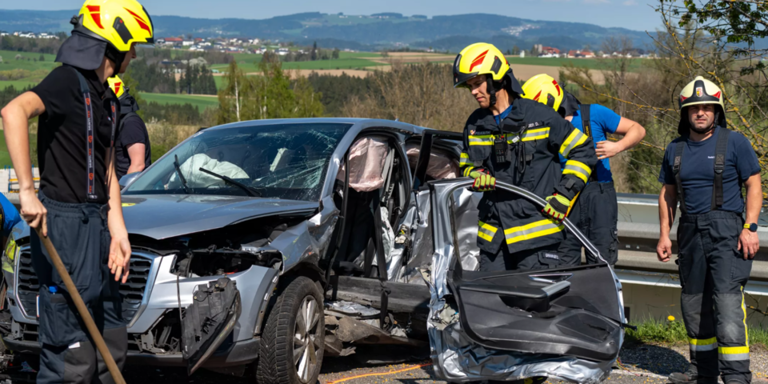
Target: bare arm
[(120, 247), (748, 241), (16, 117), (667, 207), (633, 133), (136, 153)]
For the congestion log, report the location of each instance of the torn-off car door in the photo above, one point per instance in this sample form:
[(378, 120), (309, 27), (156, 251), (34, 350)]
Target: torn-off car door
[(561, 323)]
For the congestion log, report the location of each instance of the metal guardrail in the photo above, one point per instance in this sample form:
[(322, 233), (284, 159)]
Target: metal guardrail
[(639, 233)]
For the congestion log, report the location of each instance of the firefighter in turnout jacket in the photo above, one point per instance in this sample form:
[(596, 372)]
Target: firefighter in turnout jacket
[(704, 170), (518, 141)]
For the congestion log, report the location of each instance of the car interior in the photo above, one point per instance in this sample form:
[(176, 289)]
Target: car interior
[(564, 311)]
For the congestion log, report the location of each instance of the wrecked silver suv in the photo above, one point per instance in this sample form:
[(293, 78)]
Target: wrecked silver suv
[(271, 244)]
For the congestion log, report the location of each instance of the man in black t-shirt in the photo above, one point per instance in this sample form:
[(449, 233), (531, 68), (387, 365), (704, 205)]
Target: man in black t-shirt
[(78, 206), (132, 150)]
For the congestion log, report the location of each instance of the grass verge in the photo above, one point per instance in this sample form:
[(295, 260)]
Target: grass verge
[(673, 332)]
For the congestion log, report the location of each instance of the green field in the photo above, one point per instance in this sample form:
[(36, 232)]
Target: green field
[(331, 64), (561, 62), (5, 157), (10, 62), (201, 102), (346, 63), (355, 55), (20, 84)]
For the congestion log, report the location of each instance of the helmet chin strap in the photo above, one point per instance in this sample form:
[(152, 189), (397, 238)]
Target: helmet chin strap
[(491, 90), (116, 56)]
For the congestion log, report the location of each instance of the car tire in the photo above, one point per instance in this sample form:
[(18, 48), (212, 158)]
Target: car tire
[(293, 340)]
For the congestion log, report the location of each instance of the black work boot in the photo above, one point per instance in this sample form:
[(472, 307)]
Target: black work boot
[(690, 377)]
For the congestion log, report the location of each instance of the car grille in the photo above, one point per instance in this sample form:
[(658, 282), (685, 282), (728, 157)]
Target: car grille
[(27, 284), (132, 291)]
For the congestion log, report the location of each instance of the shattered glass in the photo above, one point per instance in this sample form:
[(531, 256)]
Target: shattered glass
[(284, 161)]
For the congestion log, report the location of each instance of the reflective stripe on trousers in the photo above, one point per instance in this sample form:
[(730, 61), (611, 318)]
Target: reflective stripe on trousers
[(713, 274)]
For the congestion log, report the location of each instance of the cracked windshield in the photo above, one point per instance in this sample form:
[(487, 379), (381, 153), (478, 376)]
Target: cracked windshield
[(286, 161)]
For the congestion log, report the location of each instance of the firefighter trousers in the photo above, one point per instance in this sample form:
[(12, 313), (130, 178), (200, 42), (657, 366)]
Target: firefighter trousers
[(713, 274), (529, 259), (80, 235), (595, 213)]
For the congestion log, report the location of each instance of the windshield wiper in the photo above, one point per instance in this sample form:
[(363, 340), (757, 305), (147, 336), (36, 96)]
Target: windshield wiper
[(178, 172), (249, 190)]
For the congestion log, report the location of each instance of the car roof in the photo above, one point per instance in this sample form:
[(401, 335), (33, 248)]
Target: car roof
[(356, 124)]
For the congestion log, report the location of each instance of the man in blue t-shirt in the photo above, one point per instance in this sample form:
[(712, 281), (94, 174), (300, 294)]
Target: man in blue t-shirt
[(704, 170), (10, 217), (596, 211)]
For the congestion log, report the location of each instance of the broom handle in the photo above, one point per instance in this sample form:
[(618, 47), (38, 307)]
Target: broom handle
[(82, 309)]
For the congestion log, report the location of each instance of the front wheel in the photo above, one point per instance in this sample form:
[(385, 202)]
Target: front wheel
[(293, 340)]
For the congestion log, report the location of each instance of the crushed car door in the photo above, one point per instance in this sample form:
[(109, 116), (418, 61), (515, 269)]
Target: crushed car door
[(433, 155), (516, 324)]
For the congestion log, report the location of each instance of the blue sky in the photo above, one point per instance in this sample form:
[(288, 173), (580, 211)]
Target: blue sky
[(631, 14)]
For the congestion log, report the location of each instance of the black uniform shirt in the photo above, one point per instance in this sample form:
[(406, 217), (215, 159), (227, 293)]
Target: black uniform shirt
[(132, 131), (62, 136), (697, 171)]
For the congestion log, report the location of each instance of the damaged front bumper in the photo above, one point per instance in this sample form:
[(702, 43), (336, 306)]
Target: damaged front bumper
[(152, 298)]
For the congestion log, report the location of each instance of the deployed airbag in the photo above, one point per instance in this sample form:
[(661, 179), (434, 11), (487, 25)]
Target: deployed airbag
[(197, 179), (440, 165), (367, 157)]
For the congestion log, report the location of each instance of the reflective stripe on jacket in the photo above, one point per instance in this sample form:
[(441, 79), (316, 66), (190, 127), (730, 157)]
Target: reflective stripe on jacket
[(505, 218)]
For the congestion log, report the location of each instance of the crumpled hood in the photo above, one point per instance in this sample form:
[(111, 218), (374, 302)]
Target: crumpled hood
[(164, 216)]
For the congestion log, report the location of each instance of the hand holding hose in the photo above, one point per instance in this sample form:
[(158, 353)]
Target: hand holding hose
[(557, 207), (483, 181)]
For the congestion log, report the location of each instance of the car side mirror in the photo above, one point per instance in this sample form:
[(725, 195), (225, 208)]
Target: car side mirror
[(128, 179)]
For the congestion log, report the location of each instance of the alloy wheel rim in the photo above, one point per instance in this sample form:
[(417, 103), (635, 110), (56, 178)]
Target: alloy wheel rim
[(305, 338)]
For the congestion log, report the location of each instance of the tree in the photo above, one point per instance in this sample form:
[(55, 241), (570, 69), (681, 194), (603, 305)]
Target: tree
[(42, 58), (231, 97), (268, 96), (335, 53), (307, 100), (314, 51)]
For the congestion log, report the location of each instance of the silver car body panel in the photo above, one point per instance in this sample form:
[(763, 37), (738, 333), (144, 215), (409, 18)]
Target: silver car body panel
[(165, 216), (456, 358)]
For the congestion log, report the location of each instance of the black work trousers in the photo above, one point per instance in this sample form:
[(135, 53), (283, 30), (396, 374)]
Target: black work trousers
[(595, 213), (713, 274), (532, 259), (80, 235)]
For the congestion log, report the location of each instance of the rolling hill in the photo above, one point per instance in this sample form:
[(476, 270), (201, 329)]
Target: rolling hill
[(362, 32)]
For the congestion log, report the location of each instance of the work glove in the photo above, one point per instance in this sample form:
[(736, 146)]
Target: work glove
[(557, 207), (483, 181)]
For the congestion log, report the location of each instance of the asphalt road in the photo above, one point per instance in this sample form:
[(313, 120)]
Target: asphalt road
[(638, 364)]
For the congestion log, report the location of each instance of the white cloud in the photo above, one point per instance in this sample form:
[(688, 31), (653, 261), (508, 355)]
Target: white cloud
[(596, 1), (630, 3)]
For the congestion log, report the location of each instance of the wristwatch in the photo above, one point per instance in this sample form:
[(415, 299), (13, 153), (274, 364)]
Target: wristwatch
[(751, 226)]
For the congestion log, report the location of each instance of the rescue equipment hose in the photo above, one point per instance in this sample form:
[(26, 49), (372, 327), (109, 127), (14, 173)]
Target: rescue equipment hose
[(82, 309)]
